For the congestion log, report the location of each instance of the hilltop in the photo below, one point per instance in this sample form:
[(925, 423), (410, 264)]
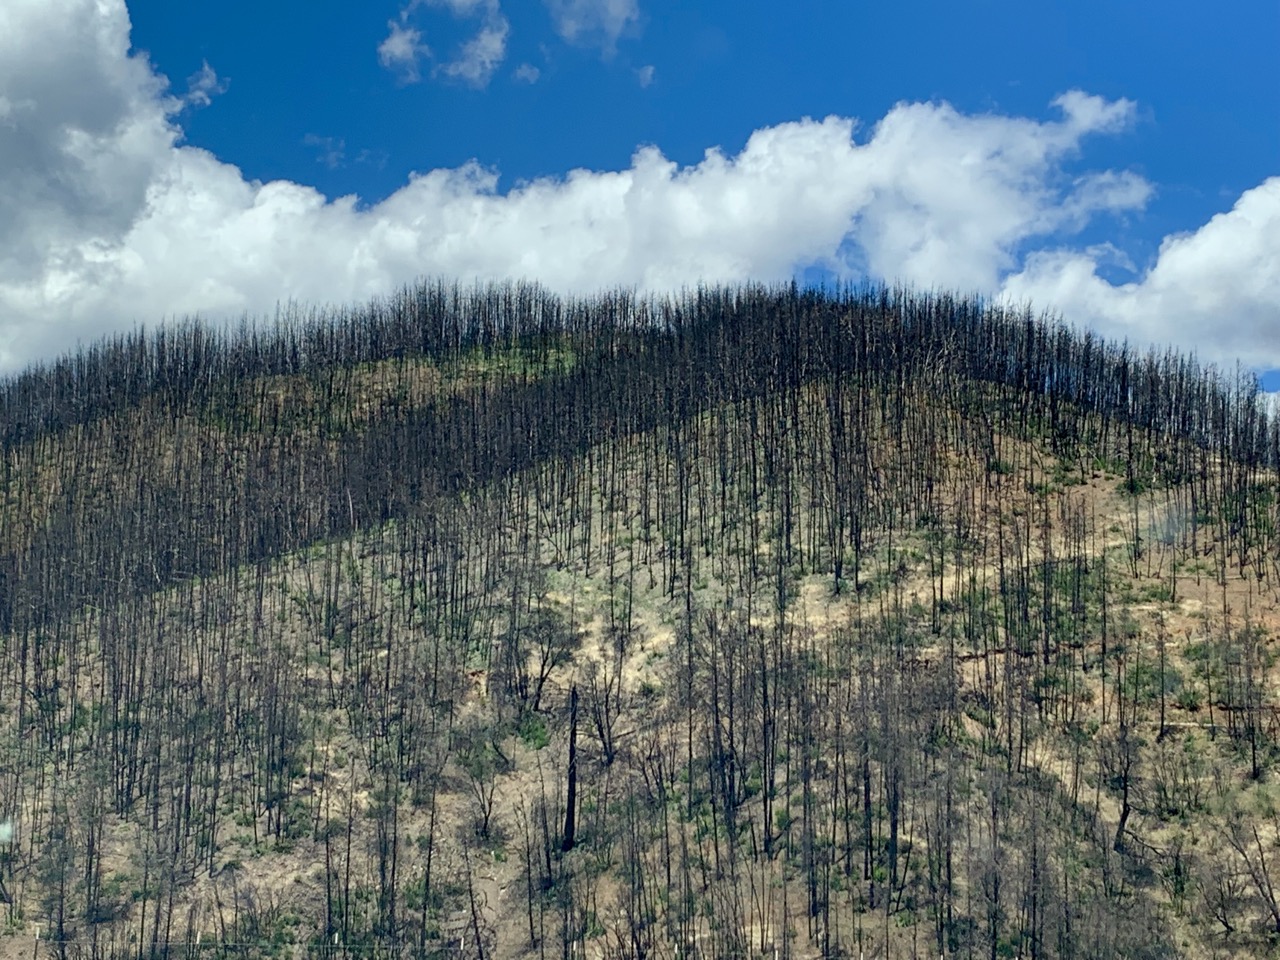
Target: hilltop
[(750, 622)]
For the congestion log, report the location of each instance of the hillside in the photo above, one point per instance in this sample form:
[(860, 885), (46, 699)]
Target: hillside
[(745, 623)]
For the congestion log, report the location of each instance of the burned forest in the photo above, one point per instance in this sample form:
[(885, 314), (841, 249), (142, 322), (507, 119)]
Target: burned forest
[(749, 622)]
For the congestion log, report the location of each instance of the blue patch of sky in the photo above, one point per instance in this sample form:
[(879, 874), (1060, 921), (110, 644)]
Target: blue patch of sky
[(723, 70)]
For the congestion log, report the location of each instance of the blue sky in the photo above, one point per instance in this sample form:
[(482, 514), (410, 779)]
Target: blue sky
[(1115, 163)]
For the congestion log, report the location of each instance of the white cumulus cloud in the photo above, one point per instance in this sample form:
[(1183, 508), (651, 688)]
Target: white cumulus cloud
[(401, 50), (475, 61), (480, 56), (203, 86), (1216, 290), (107, 219), (594, 22)]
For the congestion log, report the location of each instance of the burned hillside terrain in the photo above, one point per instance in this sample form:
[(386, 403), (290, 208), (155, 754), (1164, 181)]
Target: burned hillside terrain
[(749, 622)]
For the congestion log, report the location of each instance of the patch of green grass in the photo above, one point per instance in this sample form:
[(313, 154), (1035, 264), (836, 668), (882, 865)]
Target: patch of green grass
[(532, 730)]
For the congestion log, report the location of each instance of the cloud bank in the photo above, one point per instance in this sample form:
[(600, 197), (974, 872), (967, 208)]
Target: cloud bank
[(108, 220)]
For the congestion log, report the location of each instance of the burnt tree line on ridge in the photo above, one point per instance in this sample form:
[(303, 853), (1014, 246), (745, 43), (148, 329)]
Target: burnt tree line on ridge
[(636, 364)]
